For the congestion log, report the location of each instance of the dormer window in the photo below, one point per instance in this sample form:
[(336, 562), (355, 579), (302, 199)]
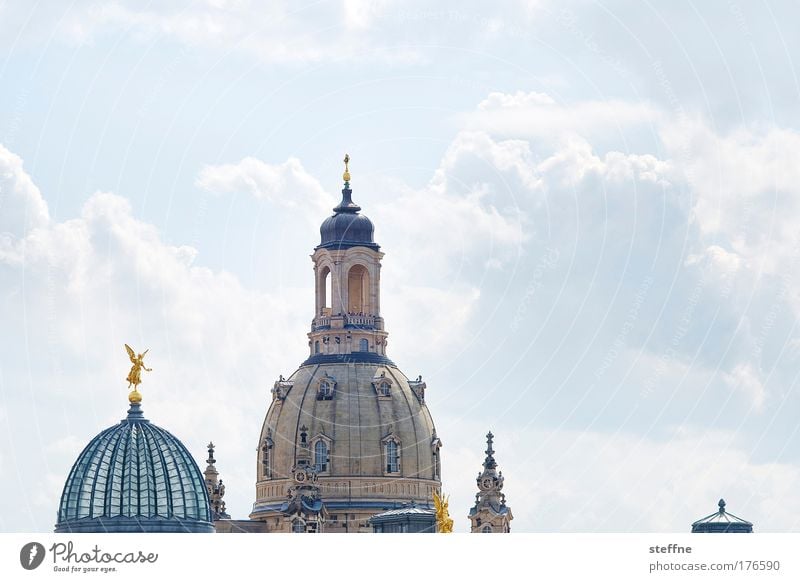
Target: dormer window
[(382, 385), (326, 388), (418, 388)]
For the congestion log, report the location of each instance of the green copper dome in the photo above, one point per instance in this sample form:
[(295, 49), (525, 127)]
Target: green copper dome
[(134, 477)]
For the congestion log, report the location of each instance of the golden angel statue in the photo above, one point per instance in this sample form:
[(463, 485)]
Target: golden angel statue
[(444, 523), (135, 375)]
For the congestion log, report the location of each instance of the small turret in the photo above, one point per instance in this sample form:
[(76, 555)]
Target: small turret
[(490, 514)]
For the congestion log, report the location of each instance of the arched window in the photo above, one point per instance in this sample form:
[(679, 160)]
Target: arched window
[(486, 529), (266, 455), (316, 347), (358, 290), (298, 526), (384, 389), (325, 291), (266, 464), (363, 345), (321, 456), (392, 457), (325, 390)]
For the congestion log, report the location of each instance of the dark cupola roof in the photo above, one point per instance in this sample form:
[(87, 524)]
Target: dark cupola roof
[(347, 228), (134, 477)]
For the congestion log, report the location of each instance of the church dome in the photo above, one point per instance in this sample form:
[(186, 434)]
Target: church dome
[(360, 416), (347, 228), (134, 477)]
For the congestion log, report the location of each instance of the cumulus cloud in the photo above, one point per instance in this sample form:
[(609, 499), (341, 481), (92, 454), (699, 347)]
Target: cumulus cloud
[(743, 184), (22, 208), (534, 114), (275, 33), (287, 184)]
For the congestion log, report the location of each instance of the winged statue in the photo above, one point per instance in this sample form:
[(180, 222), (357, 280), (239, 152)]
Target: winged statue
[(135, 375), (444, 523)]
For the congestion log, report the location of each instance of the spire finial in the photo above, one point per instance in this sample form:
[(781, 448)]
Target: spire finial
[(346, 175), (211, 460), (489, 464), (721, 506)]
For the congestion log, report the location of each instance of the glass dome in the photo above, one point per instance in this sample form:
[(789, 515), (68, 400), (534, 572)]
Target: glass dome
[(134, 477)]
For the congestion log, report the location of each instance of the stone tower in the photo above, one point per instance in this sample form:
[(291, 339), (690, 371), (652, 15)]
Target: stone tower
[(348, 420), (215, 487), (490, 514)]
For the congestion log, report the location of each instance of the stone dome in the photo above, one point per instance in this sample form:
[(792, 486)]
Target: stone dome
[(367, 406), (347, 228), (134, 477)]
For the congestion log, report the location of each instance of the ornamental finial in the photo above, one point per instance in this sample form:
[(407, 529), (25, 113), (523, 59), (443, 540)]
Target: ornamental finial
[(135, 375), (346, 175)]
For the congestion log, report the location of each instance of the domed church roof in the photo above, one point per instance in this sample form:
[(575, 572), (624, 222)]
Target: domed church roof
[(134, 477)]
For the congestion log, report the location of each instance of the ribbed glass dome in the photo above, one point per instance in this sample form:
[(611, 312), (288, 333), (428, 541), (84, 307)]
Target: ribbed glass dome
[(134, 477)]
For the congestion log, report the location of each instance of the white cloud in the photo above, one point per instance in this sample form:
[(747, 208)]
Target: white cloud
[(576, 159), (743, 180), (22, 208), (745, 378), (276, 32), (534, 114), (287, 184)]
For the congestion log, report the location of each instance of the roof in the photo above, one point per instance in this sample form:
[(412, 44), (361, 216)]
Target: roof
[(409, 514), (134, 477), (412, 510), (347, 228), (722, 522)]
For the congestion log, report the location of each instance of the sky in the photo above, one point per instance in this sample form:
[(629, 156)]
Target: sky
[(588, 209)]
